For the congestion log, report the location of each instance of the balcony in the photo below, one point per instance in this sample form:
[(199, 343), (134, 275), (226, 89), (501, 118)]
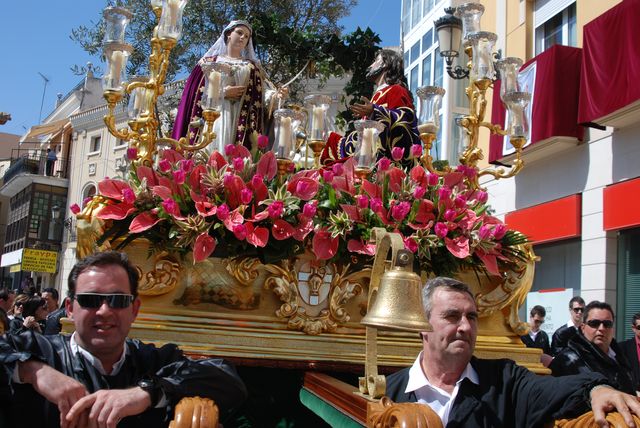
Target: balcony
[(29, 166)]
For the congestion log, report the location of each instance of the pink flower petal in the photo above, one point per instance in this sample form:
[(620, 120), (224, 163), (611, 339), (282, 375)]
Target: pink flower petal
[(204, 245), (143, 221)]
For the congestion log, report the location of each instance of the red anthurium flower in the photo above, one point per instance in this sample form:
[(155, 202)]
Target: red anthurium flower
[(304, 227), (396, 176), (242, 151), (304, 188), (468, 221), (206, 208), (195, 178), (419, 176), (204, 245), (425, 212), (240, 231), (356, 246), (144, 172), (233, 186), (113, 188), (162, 192), (345, 182), (282, 230), (490, 261), (459, 246), (351, 211), (453, 178), (323, 245), (216, 160), (172, 156), (267, 166), (172, 208), (116, 211), (164, 165), (372, 189), (144, 221), (258, 236), (233, 219)]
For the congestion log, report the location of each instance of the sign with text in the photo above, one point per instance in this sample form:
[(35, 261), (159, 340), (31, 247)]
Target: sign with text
[(39, 260)]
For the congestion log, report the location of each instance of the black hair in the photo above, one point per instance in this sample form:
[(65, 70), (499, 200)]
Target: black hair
[(635, 317), (597, 305), (538, 310), (106, 258), (576, 299), (53, 293), (31, 305)]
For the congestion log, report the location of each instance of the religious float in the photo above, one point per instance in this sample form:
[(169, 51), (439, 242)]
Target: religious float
[(246, 255)]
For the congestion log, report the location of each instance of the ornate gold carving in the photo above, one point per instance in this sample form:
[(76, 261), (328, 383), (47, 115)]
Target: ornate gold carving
[(587, 420), (162, 279), (387, 414), (89, 229), (511, 293), (313, 305)]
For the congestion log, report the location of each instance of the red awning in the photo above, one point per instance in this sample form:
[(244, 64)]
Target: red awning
[(554, 113), (611, 62)]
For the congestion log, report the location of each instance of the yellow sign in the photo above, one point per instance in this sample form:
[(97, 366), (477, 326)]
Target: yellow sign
[(39, 260), (15, 268)]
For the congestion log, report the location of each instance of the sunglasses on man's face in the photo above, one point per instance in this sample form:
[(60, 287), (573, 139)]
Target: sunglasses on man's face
[(578, 310), (637, 327), (596, 323), (94, 300)]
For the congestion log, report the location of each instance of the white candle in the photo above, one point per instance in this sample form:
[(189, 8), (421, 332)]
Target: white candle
[(318, 122), (366, 148), (213, 89), (173, 12), (117, 59), (284, 138), (138, 102)]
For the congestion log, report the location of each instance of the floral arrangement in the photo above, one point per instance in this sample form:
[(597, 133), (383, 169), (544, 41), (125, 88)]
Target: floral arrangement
[(236, 204)]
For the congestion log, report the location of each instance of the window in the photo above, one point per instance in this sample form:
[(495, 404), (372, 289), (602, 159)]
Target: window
[(427, 41), (88, 192), (406, 16), (428, 6), (95, 144), (413, 80), (559, 265), (415, 12), (415, 52), (628, 281), (439, 69), (120, 143), (559, 29), (426, 71)]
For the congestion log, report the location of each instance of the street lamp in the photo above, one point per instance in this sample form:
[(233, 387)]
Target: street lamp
[(55, 215), (449, 31)]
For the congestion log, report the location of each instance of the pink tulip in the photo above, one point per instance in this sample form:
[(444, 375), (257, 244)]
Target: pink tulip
[(362, 201), (132, 153), (171, 207), (164, 165), (179, 176), (444, 193), (383, 164), (186, 165), (410, 244), (499, 231), (416, 150), (309, 209), (375, 204), (337, 169), (245, 196), (263, 142), (400, 211), (238, 164), (240, 231), (419, 192), (256, 180), (485, 232), (327, 175), (450, 215), (482, 196), (228, 180), (230, 150), (432, 179), (222, 212), (397, 153), (86, 200), (441, 229), (460, 201), (276, 209), (74, 208)]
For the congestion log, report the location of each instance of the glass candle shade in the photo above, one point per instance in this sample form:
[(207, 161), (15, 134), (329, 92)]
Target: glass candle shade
[(517, 121), (116, 20), (139, 100), (430, 102), (212, 94), (287, 122), (470, 14), (508, 68), (318, 106), (156, 3), (117, 54), (482, 43), (367, 145), (170, 25)]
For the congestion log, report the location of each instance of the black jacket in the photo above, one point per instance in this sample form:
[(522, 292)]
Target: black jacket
[(561, 337), (177, 375), (508, 396), (542, 341), (629, 350), (582, 356)]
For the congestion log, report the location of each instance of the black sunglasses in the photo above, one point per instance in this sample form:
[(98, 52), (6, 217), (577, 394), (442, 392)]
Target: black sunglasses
[(94, 300), (596, 323), (637, 327), (577, 310)]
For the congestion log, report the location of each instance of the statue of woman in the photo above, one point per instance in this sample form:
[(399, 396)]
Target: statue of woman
[(249, 98)]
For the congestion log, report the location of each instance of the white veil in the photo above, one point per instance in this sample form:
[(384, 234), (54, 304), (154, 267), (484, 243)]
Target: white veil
[(220, 47)]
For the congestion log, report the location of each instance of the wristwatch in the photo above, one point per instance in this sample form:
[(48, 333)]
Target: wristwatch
[(151, 386)]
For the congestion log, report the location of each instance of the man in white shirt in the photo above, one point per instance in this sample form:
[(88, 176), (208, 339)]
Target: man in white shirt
[(565, 332), (469, 392)]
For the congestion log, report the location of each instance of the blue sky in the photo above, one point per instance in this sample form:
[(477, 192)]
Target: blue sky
[(36, 39)]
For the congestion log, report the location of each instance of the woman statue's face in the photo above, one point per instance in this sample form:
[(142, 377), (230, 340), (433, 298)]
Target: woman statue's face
[(238, 38)]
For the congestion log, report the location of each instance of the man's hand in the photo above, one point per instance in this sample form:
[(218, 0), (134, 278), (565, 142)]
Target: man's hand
[(364, 109), (234, 92), (54, 386), (106, 408), (605, 399)]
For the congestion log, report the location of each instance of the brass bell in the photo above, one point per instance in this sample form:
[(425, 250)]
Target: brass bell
[(397, 304)]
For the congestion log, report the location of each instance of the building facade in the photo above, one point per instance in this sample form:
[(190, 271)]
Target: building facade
[(574, 198)]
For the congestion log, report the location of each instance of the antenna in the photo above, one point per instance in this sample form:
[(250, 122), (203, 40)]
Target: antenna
[(44, 91)]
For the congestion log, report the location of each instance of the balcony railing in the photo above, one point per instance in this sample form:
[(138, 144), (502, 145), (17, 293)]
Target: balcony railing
[(24, 161)]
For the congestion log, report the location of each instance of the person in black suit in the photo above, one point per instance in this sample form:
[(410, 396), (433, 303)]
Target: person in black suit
[(630, 348), (469, 392), (537, 338), (563, 334)]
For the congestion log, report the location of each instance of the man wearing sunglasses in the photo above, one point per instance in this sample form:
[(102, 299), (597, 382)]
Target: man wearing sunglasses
[(565, 332), (593, 349), (98, 376), (631, 348)]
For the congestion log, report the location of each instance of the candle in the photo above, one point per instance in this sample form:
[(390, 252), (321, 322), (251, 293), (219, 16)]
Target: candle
[(366, 148), (117, 59), (173, 12), (318, 122), (138, 102), (284, 138), (213, 89)]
